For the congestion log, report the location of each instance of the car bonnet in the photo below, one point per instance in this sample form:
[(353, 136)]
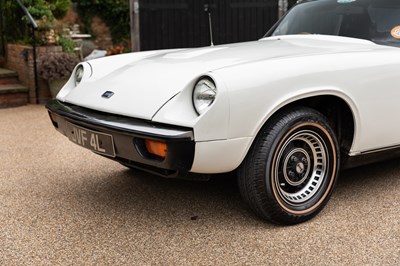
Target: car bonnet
[(139, 89)]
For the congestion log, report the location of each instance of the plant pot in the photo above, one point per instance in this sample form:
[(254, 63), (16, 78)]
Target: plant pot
[(56, 85)]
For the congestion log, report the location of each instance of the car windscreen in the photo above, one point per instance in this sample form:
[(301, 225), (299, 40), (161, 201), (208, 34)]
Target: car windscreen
[(374, 20)]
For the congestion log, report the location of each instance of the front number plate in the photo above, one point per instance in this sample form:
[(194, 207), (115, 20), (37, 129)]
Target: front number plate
[(95, 141)]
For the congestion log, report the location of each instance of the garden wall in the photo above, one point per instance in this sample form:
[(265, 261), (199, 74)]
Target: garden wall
[(20, 59)]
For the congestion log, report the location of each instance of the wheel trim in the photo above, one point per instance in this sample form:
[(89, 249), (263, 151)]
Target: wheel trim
[(311, 181), (333, 164)]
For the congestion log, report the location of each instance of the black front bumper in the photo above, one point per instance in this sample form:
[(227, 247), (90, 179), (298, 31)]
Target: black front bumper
[(129, 135)]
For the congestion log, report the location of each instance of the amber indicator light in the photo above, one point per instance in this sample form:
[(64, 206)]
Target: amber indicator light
[(157, 148)]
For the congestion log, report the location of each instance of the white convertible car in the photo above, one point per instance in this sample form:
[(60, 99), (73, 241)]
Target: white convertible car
[(319, 93)]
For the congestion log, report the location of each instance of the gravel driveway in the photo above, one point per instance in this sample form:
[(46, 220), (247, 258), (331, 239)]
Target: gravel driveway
[(63, 205)]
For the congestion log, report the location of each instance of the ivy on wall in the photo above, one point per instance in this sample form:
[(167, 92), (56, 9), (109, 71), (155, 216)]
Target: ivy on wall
[(115, 13)]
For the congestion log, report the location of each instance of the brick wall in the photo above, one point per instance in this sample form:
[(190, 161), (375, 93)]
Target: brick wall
[(23, 65)]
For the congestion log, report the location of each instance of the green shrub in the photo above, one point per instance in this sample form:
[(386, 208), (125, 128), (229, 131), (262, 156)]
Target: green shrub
[(60, 8), (67, 43), (43, 11)]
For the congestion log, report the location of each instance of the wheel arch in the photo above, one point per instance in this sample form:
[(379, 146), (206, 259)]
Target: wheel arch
[(340, 111), (339, 114)]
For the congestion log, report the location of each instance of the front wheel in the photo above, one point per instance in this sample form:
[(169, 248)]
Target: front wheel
[(291, 169)]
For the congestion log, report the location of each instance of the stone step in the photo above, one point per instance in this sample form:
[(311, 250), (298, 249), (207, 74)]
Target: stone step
[(11, 80), (6, 73), (13, 95), (12, 88), (8, 76)]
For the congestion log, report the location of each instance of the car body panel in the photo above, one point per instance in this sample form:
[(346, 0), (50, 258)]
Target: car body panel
[(220, 156)]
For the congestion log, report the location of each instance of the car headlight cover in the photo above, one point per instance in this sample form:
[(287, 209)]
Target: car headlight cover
[(79, 74), (204, 94)]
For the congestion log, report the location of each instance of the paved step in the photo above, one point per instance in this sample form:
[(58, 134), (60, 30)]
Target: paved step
[(8, 76), (11, 92), (6, 73), (13, 88), (10, 80)]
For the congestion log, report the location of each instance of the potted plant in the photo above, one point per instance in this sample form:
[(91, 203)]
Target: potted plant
[(56, 69)]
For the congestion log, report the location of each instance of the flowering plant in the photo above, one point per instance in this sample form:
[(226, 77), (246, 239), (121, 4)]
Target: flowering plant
[(56, 66)]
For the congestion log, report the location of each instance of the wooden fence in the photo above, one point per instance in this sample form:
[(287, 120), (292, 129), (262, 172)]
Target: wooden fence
[(186, 23)]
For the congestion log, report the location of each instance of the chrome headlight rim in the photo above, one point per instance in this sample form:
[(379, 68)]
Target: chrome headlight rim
[(204, 94), (79, 73)]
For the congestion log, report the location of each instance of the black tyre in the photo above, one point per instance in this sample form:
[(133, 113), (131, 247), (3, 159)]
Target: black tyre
[(291, 169)]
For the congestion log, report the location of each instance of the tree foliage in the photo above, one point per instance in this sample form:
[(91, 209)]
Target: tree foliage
[(49, 8), (43, 11), (115, 13)]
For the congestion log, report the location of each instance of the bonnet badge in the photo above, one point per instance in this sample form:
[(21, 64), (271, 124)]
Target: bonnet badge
[(107, 94)]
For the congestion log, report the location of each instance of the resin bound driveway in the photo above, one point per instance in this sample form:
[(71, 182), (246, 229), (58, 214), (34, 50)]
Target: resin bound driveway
[(63, 205)]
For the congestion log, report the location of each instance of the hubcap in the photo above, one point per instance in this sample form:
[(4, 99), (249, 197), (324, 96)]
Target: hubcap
[(296, 166), (300, 167)]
